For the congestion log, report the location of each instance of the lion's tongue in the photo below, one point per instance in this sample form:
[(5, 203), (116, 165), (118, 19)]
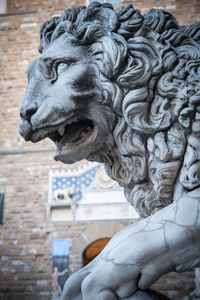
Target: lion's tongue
[(74, 133)]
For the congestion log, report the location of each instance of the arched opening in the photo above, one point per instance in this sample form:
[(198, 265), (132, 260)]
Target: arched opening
[(94, 249)]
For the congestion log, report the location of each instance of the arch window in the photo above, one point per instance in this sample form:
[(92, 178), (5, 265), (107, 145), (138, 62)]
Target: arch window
[(94, 249)]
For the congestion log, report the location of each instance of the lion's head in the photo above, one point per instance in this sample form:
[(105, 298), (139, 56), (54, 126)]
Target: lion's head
[(119, 88)]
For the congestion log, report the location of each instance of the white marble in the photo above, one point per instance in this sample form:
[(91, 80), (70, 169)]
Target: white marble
[(123, 89)]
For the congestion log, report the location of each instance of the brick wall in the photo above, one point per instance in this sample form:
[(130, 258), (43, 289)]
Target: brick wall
[(186, 12), (16, 6), (26, 235)]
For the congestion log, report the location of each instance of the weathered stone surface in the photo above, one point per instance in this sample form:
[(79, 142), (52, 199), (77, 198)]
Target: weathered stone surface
[(137, 77), (25, 176)]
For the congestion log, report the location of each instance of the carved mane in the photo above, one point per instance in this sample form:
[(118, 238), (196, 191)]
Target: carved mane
[(149, 70)]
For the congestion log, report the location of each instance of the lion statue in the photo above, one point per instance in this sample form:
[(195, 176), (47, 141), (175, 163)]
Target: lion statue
[(123, 89)]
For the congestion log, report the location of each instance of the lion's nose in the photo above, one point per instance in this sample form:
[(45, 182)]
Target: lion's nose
[(26, 112)]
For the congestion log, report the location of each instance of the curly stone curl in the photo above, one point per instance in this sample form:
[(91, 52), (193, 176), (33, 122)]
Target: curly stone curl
[(149, 70)]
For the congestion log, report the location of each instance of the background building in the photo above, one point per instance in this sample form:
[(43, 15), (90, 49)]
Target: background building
[(40, 205)]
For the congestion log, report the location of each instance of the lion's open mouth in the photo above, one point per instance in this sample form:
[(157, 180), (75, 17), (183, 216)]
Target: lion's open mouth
[(72, 135), (73, 140)]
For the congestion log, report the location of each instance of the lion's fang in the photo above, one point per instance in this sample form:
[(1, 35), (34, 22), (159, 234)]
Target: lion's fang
[(61, 131)]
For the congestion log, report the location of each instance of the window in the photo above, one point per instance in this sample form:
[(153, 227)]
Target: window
[(2, 7), (114, 1), (94, 249), (1, 207)]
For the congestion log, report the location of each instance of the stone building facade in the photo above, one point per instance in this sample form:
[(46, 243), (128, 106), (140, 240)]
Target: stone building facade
[(28, 228)]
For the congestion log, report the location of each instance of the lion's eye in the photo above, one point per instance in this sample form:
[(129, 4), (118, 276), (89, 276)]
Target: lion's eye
[(62, 67), (57, 68)]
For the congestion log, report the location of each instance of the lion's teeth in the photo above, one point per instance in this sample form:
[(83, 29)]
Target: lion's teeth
[(88, 129), (61, 131), (83, 134)]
